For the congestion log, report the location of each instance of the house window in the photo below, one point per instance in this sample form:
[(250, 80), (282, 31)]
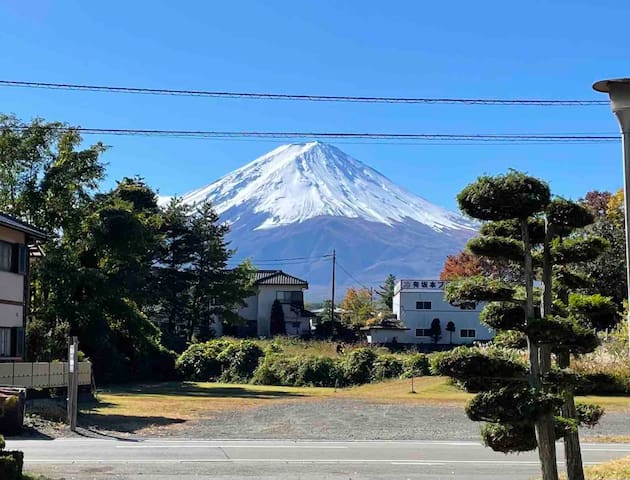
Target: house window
[(423, 305), (467, 333), (6, 257), (13, 257), (295, 297), (423, 332), (468, 306), (5, 342)]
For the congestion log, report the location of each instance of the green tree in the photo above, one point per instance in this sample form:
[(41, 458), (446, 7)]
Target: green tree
[(172, 271), (357, 306), (386, 292), (277, 324), (435, 332), (450, 328), (512, 401), (217, 290)]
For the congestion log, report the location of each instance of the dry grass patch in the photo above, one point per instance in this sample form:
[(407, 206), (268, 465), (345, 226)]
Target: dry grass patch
[(192, 400), (613, 470), (427, 390), (607, 439)]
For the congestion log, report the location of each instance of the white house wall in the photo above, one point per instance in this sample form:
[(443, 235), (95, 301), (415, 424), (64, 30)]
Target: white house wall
[(412, 318), (11, 316), (262, 312)]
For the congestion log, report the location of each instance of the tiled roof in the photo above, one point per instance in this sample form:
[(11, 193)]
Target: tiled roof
[(15, 224), (277, 277)]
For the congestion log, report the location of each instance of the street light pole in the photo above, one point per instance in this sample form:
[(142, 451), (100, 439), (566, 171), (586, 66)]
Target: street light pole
[(619, 92)]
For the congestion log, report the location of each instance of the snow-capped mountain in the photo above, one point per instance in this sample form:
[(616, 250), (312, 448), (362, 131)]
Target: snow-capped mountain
[(303, 200)]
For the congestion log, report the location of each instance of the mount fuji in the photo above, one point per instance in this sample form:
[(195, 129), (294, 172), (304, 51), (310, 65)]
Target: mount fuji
[(295, 204)]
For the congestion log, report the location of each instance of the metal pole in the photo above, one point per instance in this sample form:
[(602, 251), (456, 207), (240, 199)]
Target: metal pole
[(626, 186), (73, 382), (332, 294)]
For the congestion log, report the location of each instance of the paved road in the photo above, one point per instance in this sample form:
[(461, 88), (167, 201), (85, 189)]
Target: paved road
[(99, 459)]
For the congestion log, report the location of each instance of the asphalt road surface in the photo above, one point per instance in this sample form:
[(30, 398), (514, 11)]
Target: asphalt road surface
[(100, 459)]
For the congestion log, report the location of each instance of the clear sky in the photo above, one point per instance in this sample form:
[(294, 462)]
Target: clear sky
[(530, 49)]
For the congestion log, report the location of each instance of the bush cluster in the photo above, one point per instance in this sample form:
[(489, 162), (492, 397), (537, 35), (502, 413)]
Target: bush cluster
[(225, 360), (240, 361), (11, 463)]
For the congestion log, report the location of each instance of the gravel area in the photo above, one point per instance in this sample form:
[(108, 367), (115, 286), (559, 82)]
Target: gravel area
[(354, 420), (332, 419)]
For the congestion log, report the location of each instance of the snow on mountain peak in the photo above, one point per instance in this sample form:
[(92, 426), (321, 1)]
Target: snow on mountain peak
[(297, 182)]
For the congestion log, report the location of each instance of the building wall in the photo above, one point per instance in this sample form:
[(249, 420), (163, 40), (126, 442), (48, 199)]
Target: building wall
[(259, 309), (383, 335), (413, 318), (12, 291)]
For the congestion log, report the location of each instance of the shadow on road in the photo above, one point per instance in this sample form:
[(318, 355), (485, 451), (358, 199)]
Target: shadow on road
[(123, 423)]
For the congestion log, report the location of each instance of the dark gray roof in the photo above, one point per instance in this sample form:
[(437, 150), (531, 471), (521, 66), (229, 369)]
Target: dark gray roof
[(277, 277), (11, 222)]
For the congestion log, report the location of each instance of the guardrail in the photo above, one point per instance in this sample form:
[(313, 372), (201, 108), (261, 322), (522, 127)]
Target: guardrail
[(41, 374)]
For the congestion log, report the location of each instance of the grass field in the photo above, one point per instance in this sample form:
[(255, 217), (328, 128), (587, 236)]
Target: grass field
[(613, 470)]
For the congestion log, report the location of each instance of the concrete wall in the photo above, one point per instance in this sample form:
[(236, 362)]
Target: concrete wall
[(412, 318), (382, 335)]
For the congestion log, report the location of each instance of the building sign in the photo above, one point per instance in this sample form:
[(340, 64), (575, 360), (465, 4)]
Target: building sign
[(422, 284)]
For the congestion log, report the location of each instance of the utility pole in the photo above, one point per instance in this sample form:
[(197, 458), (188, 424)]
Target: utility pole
[(73, 382), (332, 294)]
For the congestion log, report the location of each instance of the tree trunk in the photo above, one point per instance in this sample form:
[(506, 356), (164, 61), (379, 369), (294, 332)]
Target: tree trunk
[(545, 434), (572, 451)]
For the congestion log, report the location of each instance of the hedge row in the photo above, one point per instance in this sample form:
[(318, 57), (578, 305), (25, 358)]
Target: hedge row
[(244, 361)]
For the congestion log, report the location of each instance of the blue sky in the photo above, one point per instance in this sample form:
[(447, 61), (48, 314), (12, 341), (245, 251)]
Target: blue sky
[(533, 49)]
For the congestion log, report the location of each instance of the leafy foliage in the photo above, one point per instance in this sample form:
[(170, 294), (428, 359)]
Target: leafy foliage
[(504, 197), (477, 289), (589, 414), (277, 324), (512, 229), (509, 437), (500, 247), (503, 316), (514, 404), (595, 311)]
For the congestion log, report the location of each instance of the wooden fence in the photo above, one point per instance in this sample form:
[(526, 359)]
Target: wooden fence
[(41, 374)]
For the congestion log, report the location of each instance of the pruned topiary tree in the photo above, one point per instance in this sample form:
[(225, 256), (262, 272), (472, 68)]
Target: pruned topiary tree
[(277, 325), (527, 406)]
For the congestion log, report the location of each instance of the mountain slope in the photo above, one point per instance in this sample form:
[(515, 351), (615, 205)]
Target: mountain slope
[(303, 200)]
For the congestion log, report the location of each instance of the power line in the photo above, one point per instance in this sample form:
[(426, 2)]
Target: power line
[(433, 137), (352, 276), (303, 97)]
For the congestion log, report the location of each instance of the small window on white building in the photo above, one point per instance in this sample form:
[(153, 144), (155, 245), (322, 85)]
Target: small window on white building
[(468, 306), (5, 342), (6, 256), (423, 332), (423, 305), (467, 333)]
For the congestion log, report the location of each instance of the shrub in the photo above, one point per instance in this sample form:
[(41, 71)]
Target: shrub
[(239, 361), (386, 366), (199, 362), (318, 372), (358, 365), (276, 369), (9, 468), (415, 365)]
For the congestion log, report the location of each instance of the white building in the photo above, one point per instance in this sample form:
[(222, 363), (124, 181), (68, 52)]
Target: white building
[(17, 239), (417, 303), (270, 285)]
